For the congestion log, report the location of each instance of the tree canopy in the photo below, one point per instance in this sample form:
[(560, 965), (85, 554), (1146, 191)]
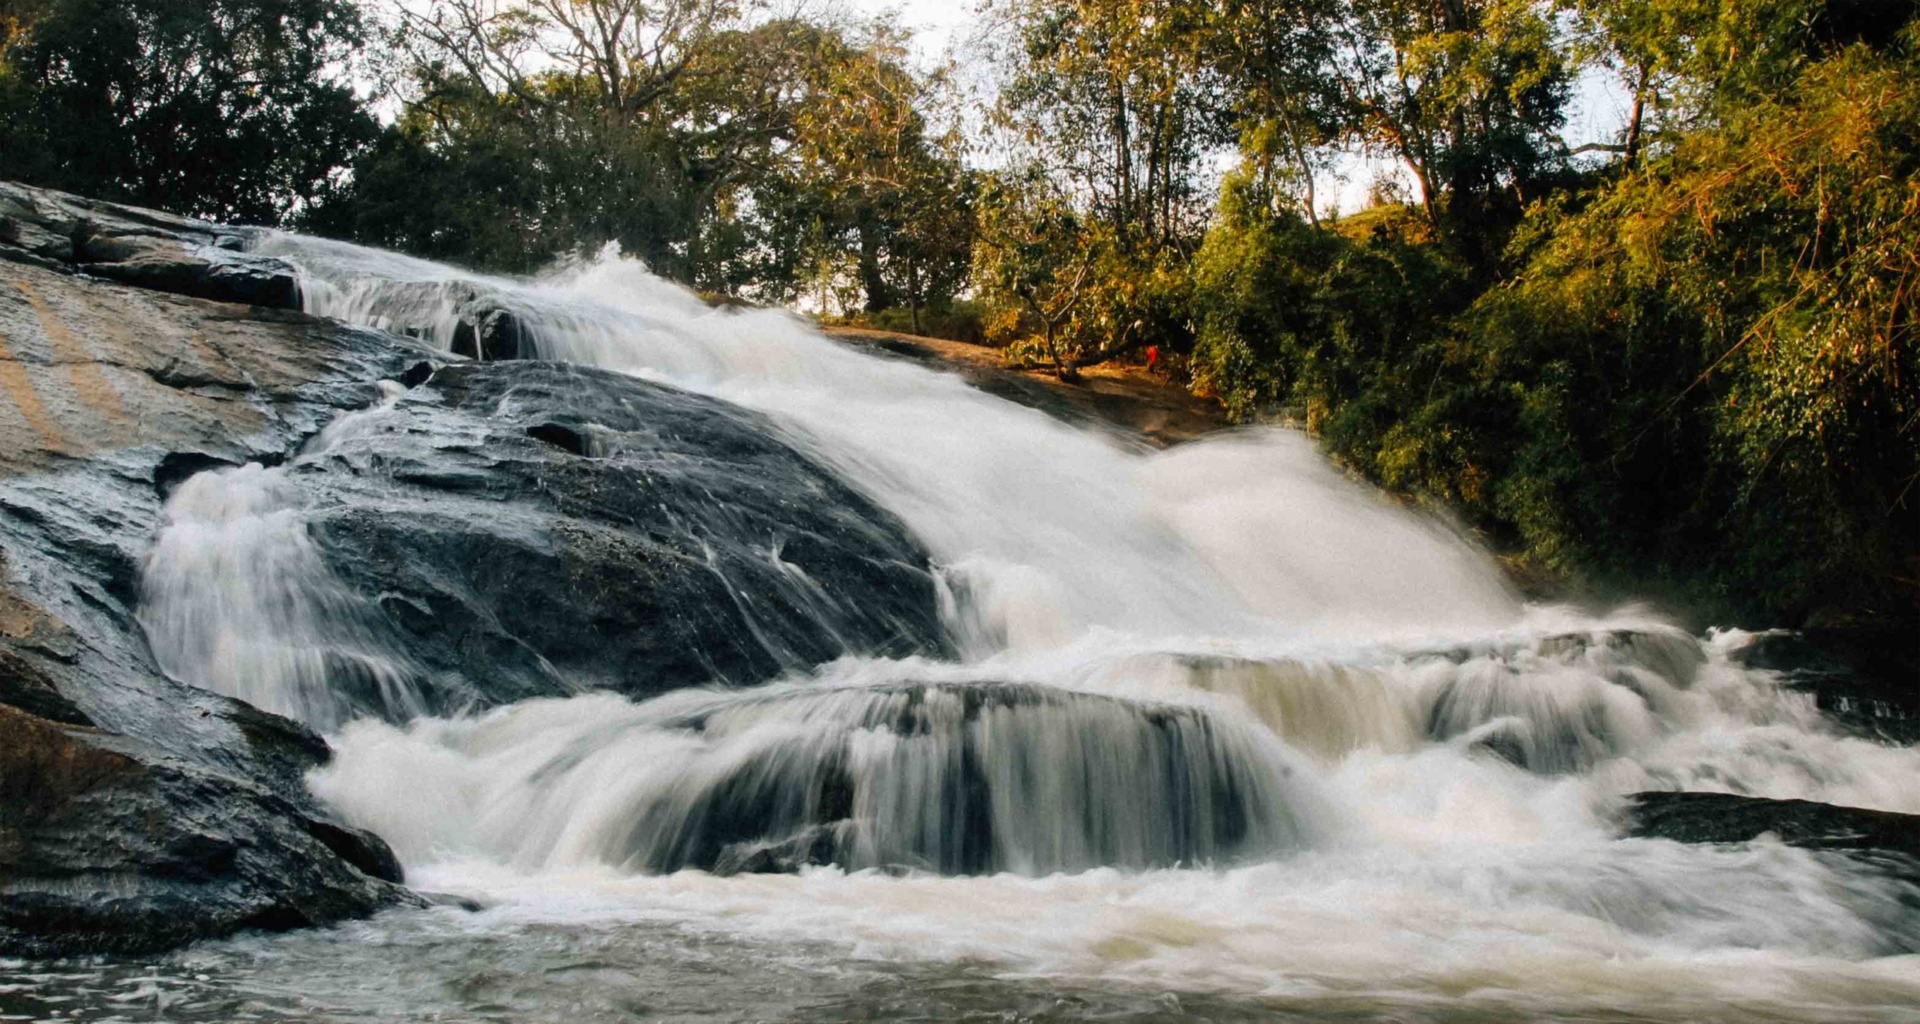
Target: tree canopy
[(1680, 356), (234, 109)]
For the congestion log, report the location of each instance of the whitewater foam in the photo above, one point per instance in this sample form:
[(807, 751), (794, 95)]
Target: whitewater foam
[(1224, 719)]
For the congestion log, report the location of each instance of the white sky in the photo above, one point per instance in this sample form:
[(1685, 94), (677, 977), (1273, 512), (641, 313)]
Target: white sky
[(934, 22)]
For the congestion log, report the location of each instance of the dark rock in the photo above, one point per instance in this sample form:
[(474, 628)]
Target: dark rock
[(488, 332), (1875, 854), (692, 546), (139, 812), (186, 268), (143, 248), (105, 846), (564, 438), (360, 848), (1728, 818), (175, 467), (1868, 682), (417, 374)]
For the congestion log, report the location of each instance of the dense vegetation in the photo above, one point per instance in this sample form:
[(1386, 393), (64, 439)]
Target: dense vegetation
[(1683, 357)]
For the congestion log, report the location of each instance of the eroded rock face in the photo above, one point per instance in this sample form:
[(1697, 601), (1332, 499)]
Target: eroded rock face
[(141, 247), (137, 812), (530, 529), (537, 528)]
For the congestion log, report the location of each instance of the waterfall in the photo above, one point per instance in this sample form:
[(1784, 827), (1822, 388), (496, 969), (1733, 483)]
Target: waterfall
[(1049, 530), (235, 597), (953, 778), (1214, 712)]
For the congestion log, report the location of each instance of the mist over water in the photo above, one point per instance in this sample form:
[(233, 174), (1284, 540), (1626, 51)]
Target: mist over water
[(1224, 722)]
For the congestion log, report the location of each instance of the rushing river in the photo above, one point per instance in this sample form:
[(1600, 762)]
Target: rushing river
[(1228, 737)]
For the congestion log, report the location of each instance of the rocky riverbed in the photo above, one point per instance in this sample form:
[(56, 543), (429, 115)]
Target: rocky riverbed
[(522, 529), (535, 529)]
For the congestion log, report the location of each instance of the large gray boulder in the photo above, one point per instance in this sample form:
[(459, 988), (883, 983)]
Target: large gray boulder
[(537, 529), (137, 812), (594, 531)]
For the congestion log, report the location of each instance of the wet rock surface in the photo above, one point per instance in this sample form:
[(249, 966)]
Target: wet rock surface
[(1883, 840), (146, 248), (1572, 717), (977, 778), (137, 812), (108, 844), (535, 529), (1868, 682)]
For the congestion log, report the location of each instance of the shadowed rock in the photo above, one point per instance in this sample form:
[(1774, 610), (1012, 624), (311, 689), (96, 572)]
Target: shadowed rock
[(1868, 682), (488, 333), (548, 529), (1728, 818), (538, 528), (107, 845), (961, 778), (141, 247)]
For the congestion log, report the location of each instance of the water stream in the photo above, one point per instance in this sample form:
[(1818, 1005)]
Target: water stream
[(1229, 736)]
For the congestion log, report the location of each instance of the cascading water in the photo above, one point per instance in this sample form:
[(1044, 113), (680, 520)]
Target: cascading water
[(1222, 721), (283, 633)]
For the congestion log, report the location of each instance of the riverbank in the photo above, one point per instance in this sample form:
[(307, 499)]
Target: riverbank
[(1874, 654), (1128, 399), (897, 668)]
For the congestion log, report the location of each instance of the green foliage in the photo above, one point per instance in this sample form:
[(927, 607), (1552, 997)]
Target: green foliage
[(232, 109), (746, 157), (1110, 99), (1329, 328), (957, 320), (875, 180), (1469, 95), (1738, 320), (1692, 366), (1699, 375)]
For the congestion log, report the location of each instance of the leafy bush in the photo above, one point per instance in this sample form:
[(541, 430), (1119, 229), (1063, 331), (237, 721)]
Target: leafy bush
[(1699, 376), (959, 320)]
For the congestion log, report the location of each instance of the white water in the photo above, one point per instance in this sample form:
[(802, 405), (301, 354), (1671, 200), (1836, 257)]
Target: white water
[(235, 596), (1364, 667)]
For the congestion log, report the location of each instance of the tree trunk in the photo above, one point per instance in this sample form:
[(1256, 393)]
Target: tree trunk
[(1634, 120), (1122, 159), (913, 292), (1306, 170), (872, 281), (1060, 368)]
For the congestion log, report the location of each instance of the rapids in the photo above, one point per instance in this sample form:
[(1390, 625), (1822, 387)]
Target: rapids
[(1223, 723)]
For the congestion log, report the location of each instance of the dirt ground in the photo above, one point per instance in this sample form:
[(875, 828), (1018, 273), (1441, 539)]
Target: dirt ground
[(1128, 399)]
